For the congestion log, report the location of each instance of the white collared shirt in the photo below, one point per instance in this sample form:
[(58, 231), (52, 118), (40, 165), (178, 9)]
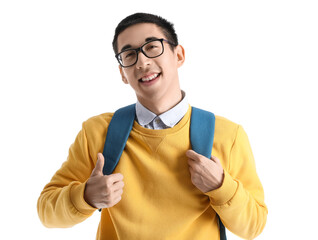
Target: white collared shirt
[(169, 119)]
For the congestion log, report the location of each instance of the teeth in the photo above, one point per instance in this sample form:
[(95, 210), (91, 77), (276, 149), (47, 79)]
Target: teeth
[(149, 78)]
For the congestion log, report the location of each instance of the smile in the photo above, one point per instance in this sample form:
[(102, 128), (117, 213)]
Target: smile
[(149, 77)]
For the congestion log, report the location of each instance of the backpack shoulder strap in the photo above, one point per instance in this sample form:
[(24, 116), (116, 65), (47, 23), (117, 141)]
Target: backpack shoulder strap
[(202, 131), (201, 137), (117, 134)]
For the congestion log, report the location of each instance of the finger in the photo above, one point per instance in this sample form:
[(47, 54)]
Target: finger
[(119, 192), (98, 170), (191, 163), (116, 177), (196, 157), (215, 159), (100, 156), (118, 185), (111, 202), (116, 200), (193, 155)]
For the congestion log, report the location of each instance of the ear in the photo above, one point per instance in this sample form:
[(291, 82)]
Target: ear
[(180, 55), (123, 77)]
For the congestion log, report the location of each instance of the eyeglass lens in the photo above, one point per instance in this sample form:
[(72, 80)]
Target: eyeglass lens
[(152, 49)]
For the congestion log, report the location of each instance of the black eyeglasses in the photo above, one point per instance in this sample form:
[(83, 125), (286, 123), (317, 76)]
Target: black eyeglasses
[(151, 49)]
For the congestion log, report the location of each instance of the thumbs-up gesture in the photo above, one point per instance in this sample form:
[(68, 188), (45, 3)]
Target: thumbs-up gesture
[(103, 191)]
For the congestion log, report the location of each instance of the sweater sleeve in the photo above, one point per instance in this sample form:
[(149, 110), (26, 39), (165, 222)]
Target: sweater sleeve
[(240, 200), (61, 203)]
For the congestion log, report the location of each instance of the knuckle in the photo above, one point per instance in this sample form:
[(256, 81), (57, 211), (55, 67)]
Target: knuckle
[(108, 192), (196, 168), (109, 198), (201, 159), (108, 183)]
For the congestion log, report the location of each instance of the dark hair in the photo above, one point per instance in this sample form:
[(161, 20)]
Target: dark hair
[(166, 27)]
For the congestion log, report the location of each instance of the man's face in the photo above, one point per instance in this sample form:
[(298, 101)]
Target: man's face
[(153, 79)]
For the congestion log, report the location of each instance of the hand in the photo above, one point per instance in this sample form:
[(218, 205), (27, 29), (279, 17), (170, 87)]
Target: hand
[(103, 191), (206, 174)]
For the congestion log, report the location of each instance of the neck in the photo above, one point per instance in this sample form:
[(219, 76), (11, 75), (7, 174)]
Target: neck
[(159, 106)]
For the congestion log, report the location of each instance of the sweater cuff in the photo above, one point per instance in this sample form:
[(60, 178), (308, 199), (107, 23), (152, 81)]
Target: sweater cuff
[(225, 193), (77, 198)]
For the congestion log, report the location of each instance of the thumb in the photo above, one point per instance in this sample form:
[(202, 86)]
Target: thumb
[(98, 170), (193, 155)]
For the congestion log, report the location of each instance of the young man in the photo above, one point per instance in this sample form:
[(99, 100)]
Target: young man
[(161, 189)]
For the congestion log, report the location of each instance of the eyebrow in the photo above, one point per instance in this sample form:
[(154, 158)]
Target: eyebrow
[(128, 46)]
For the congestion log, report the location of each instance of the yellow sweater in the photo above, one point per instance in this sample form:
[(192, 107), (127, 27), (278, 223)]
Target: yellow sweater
[(159, 199)]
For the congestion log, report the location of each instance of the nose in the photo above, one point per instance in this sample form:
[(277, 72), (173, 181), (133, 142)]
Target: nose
[(142, 61)]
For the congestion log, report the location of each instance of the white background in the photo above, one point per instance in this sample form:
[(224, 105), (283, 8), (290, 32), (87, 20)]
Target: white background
[(253, 62)]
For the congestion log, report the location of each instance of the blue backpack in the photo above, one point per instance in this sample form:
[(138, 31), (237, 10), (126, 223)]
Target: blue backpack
[(201, 131)]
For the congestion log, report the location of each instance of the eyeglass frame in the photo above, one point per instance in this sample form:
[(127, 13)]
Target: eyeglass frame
[(139, 49)]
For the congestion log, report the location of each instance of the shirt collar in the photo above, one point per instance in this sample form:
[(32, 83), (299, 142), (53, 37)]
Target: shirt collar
[(144, 116), (170, 118)]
